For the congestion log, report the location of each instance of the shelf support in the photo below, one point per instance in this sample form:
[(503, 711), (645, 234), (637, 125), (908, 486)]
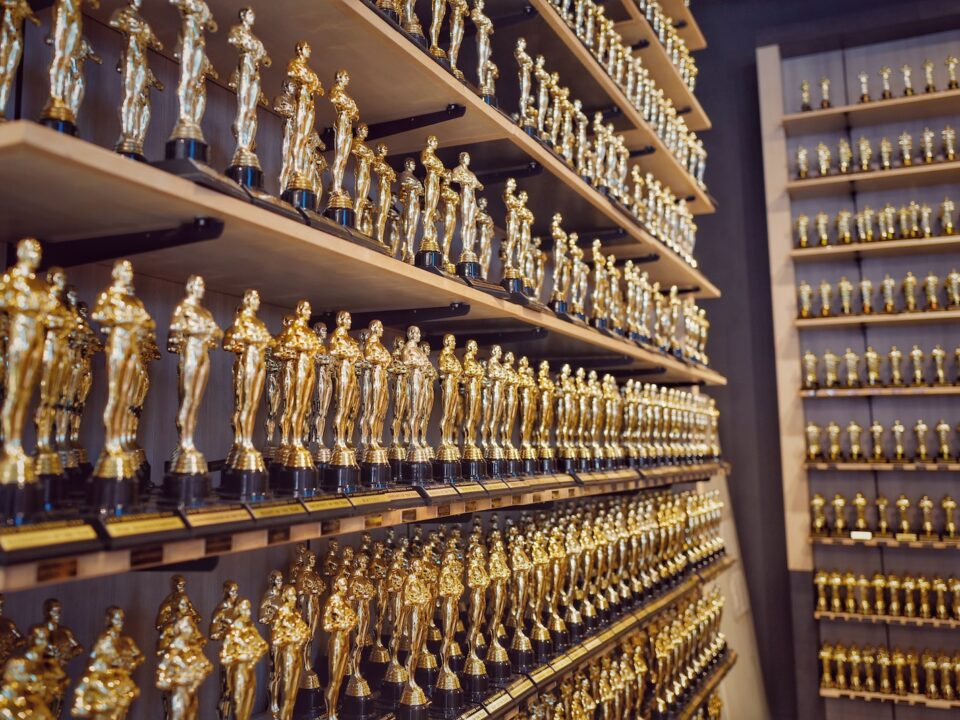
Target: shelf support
[(402, 125), (397, 318), (490, 337), (594, 361), (684, 110), (643, 152), (641, 45), (609, 112), (686, 290), (492, 177), (527, 12), (99, 249), (586, 237), (641, 259)]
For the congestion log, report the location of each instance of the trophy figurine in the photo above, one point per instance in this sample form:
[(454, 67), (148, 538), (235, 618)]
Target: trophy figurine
[(242, 649), (192, 334), (416, 606), (107, 689), (129, 330), (339, 620), (521, 649), (13, 13), (363, 164), (182, 668), (448, 454), (339, 204), (546, 396), (497, 658), (137, 78), (459, 9), (472, 463), (342, 473), (298, 176), (386, 176), (474, 675), (416, 468), (244, 474), (293, 470), (468, 266), (375, 469), (484, 29), (70, 52), (430, 256), (288, 634)]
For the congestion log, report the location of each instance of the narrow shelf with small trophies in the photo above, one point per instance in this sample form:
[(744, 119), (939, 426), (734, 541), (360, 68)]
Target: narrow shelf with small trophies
[(878, 318), (898, 620), (847, 251), (845, 466), (917, 175), (887, 542), (911, 699), (871, 391)]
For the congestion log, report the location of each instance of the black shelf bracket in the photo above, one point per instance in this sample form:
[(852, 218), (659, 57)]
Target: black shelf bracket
[(609, 112), (684, 110), (492, 177), (643, 152), (527, 12), (641, 45), (643, 259), (402, 125), (486, 338), (397, 318), (81, 251), (686, 290), (683, 383), (591, 361), (679, 24)]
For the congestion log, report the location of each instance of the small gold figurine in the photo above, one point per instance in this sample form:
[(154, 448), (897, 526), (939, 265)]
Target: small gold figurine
[(106, 690), (951, 64), (338, 202), (61, 648), (885, 73), (386, 176), (241, 651), (13, 13), (297, 176), (864, 79), (824, 93), (468, 264), (805, 96), (182, 668), (195, 21), (70, 51)]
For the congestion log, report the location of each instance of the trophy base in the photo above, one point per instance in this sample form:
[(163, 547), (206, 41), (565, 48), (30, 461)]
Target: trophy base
[(486, 286), (514, 467), (412, 712), (113, 496), (490, 100), (514, 286), (19, 502), (416, 473), (301, 199), (530, 467), (427, 678), (341, 216), (391, 15), (243, 485), (185, 490), (130, 155), (376, 476), (542, 650), (469, 270), (498, 468), (473, 469), (559, 307), (447, 471), (340, 478), (498, 672), (568, 465), (374, 672), (548, 466), (521, 661), (144, 477), (429, 260), (298, 482), (390, 692), (575, 631), (52, 490), (447, 703), (310, 704), (246, 176), (61, 126), (188, 158), (357, 707), (560, 640), (475, 687)]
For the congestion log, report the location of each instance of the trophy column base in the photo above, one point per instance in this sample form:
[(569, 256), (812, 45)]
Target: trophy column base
[(447, 703), (469, 270), (412, 712), (473, 469), (490, 100), (340, 478), (429, 260), (498, 467), (19, 502), (514, 467), (358, 707), (560, 640), (310, 704), (568, 465), (475, 687), (498, 671), (300, 198), (426, 678), (416, 473), (542, 650), (341, 216), (512, 285), (530, 467), (61, 126), (187, 149), (559, 307), (247, 176), (298, 482), (376, 476), (113, 495), (521, 661), (53, 490), (183, 489), (243, 485), (548, 466), (390, 692), (132, 155), (447, 471)]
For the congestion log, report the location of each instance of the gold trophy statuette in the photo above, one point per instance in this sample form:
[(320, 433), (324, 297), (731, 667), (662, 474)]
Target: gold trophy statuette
[(468, 265), (187, 141), (106, 690), (182, 668), (429, 255), (342, 473), (137, 79), (448, 454), (299, 178), (70, 52), (241, 651), (13, 13), (193, 333), (375, 469), (339, 204)]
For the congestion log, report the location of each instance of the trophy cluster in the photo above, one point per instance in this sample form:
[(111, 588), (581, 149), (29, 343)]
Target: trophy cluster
[(911, 221), (869, 669), (847, 371), (826, 443), (889, 595), (888, 159), (860, 299), (588, 21), (885, 73), (905, 526)]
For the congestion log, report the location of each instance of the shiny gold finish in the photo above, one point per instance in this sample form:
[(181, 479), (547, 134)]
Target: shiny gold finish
[(106, 690), (61, 648), (247, 84), (345, 354), (241, 651), (450, 371), (339, 620), (195, 21), (182, 667), (137, 79), (13, 13), (300, 141), (70, 51), (347, 113), (297, 347)]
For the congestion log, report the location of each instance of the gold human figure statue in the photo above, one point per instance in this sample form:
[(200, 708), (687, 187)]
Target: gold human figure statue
[(297, 346), (29, 679), (288, 634), (386, 176), (478, 579), (247, 84), (70, 50), (484, 29), (13, 13), (450, 373), (192, 334), (409, 20), (485, 232), (302, 87), (137, 77), (61, 647), (182, 668), (459, 9), (363, 159), (414, 619), (106, 690), (520, 567), (345, 353), (339, 620), (323, 396), (472, 378), (546, 394), (219, 625), (347, 113), (439, 9), (450, 199), (469, 185), (411, 194), (11, 639), (500, 576), (376, 395), (241, 651), (195, 21), (418, 378), (309, 588), (362, 590), (435, 172)]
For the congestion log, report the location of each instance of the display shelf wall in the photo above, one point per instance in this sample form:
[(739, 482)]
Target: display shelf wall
[(784, 128)]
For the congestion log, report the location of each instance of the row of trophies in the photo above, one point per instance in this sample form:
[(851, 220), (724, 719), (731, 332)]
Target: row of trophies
[(868, 670), (588, 21), (573, 421), (873, 366), (893, 595), (857, 452), (669, 36), (409, 623), (911, 221), (885, 73), (864, 161), (548, 113), (903, 530), (888, 295)]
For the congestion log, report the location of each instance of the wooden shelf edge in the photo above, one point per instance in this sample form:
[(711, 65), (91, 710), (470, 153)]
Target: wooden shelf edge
[(887, 619), (920, 700), (884, 466), (943, 243), (825, 185), (906, 391), (886, 542), (839, 321), (691, 32)]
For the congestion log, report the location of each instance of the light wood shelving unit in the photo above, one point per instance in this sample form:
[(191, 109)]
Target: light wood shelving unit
[(887, 542), (908, 391), (883, 467), (901, 318), (911, 699), (685, 22), (916, 175), (899, 620), (918, 246)]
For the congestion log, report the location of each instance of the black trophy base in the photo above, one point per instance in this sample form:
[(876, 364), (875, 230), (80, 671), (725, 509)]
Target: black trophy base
[(542, 650), (19, 502), (310, 704), (469, 270), (429, 260), (514, 286), (548, 466), (447, 471), (374, 672), (560, 640), (447, 703), (514, 467), (486, 286), (427, 677), (340, 478), (187, 149), (568, 465), (246, 176), (490, 100), (575, 631), (358, 707), (498, 468), (530, 467), (390, 14), (135, 156), (144, 477), (53, 490), (243, 485), (412, 712), (473, 469), (530, 130), (188, 158), (300, 198), (61, 126), (475, 687), (113, 495), (376, 476), (559, 307), (498, 672), (186, 490), (341, 216), (521, 661), (298, 482), (390, 692), (416, 473)]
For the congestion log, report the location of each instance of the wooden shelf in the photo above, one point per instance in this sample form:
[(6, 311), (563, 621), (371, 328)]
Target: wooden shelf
[(911, 699), (655, 58), (918, 246), (884, 466), (878, 112), (887, 543), (661, 162), (935, 623), (907, 391), (706, 688), (916, 175), (901, 318), (362, 512), (58, 187), (685, 22)]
